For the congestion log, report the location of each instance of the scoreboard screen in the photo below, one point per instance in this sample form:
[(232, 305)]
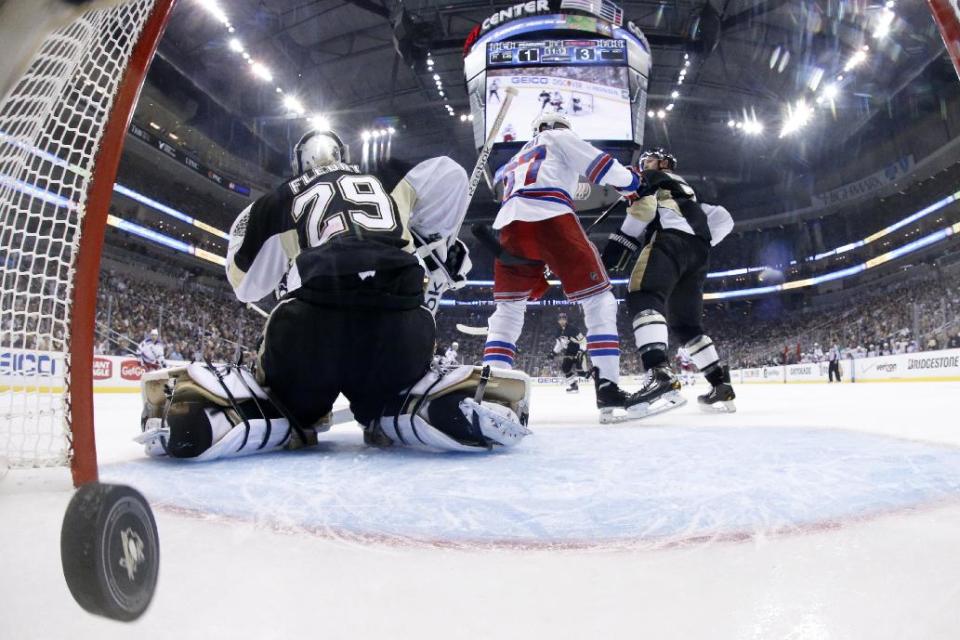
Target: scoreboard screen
[(556, 52), (585, 80)]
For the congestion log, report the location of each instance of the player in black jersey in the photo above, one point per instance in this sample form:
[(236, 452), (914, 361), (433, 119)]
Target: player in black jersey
[(544, 99), (358, 273), (666, 281), (569, 343)]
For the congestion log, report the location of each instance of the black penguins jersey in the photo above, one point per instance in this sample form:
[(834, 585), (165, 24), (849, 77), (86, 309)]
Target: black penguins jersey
[(568, 339), (333, 235), (670, 203)]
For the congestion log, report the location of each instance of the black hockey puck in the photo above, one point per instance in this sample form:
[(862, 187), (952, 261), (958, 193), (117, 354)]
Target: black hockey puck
[(110, 551)]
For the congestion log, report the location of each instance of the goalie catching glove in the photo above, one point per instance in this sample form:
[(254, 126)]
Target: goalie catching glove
[(446, 267), (463, 409)]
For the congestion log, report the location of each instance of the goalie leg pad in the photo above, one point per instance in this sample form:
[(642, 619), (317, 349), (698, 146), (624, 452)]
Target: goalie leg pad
[(202, 412), (465, 409)]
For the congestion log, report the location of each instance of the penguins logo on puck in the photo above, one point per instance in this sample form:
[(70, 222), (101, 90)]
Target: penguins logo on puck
[(110, 551), (132, 552)]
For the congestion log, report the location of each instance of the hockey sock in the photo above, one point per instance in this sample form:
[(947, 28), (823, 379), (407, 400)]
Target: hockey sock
[(603, 343), (704, 356), (650, 332), (504, 328)]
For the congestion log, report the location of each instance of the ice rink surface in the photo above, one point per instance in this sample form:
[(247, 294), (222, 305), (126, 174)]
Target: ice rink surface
[(816, 511)]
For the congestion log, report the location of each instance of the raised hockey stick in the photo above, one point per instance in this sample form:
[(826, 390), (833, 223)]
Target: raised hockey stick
[(478, 169), (471, 331), (603, 216), (254, 307)]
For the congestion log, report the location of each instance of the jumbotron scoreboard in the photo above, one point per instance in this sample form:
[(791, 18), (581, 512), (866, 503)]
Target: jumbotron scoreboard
[(552, 52), (572, 57)]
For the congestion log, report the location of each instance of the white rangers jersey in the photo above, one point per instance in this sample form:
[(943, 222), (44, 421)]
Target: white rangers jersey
[(150, 353), (539, 180), (451, 358)]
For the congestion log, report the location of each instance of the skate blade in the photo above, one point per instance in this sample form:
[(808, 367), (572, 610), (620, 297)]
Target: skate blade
[(664, 403), (724, 406)]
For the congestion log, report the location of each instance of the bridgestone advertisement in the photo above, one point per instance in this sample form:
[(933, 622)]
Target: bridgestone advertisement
[(904, 367)]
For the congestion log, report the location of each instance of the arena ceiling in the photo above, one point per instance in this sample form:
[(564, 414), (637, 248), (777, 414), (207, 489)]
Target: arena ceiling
[(749, 60)]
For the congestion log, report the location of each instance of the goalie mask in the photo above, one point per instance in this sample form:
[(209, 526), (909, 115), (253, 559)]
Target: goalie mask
[(318, 148), (550, 121)]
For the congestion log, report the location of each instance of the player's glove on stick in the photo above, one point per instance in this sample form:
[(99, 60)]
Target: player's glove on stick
[(618, 251)]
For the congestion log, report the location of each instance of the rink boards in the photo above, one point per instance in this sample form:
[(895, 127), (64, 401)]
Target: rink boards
[(926, 366), (22, 369)]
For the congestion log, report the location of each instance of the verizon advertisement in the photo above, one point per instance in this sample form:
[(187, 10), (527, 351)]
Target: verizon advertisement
[(931, 366)]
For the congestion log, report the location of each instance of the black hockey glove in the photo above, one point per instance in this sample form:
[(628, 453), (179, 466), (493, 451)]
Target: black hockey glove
[(618, 252)]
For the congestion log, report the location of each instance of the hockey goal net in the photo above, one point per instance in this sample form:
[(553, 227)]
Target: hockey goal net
[(62, 124)]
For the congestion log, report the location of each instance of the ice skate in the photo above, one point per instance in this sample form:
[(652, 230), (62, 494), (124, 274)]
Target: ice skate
[(574, 387), (610, 397), (719, 399), (660, 393)]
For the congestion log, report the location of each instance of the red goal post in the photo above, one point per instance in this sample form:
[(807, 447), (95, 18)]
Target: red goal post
[(62, 128)]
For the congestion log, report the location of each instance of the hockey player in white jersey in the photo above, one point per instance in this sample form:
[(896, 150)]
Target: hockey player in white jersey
[(451, 357), (353, 319), (150, 352), (537, 221)]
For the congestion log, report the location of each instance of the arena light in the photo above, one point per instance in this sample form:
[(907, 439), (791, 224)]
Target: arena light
[(651, 113), (154, 125), (463, 117), (391, 131), (236, 45), (292, 104), (830, 92), (858, 58), (320, 122), (884, 23), (797, 117), (262, 72), (365, 136), (753, 127), (436, 77), (675, 94), (470, 117), (661, 114), (214, 9), (670, 107), (731, 123)]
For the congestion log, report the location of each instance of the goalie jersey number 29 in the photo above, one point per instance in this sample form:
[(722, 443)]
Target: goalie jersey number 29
[(319, 232), (361, 205)]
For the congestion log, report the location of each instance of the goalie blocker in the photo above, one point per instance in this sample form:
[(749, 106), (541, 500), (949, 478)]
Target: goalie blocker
[(204, 412)]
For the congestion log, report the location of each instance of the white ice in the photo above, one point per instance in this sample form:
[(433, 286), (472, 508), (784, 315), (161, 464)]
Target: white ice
[(816, 511), (610, 119)]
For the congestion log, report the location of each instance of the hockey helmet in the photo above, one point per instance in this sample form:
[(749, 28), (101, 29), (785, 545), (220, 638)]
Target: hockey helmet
[(550, 121), (660, 154), (317, 148), (454, 346)]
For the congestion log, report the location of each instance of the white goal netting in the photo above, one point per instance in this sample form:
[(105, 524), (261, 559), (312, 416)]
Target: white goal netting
[(51, 128)]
